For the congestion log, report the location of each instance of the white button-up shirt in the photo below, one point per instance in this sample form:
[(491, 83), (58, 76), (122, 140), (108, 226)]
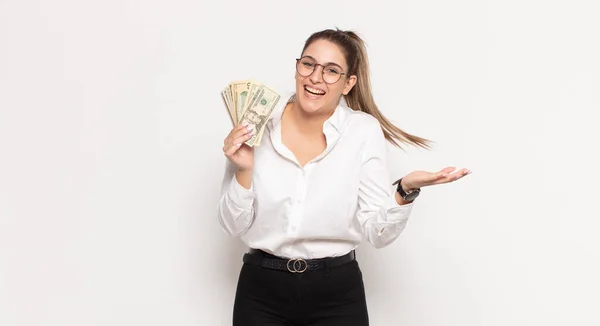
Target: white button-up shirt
[(324, 208)]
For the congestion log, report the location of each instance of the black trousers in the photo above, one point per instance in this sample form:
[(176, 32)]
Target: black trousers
[(331, 297)]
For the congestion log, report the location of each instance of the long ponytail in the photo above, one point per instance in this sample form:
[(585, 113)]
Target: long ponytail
[(360, 97)]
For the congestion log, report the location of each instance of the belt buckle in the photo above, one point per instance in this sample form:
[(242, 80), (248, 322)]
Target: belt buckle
[(297, 265)]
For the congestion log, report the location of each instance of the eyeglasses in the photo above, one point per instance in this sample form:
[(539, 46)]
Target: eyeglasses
[(331, 72)]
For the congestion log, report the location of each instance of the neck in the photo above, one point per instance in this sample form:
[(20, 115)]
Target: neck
[(307, 122)]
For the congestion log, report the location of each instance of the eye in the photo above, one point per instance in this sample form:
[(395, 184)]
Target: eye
[(308, 64), (332, 71)]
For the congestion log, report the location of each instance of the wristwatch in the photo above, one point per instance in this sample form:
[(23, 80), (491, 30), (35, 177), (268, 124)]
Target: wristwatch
[(408, 196)]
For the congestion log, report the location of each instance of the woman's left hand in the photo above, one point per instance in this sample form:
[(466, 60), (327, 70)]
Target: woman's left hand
[(419, 179)]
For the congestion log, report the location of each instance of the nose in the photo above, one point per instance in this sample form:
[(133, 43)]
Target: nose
[(317, 75)]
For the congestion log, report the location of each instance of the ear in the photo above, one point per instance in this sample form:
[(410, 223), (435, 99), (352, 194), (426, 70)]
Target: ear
[(350, 82)]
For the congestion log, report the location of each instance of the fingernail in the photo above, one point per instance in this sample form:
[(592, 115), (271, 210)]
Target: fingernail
[(238, 145), (245, 124), (250, 127)]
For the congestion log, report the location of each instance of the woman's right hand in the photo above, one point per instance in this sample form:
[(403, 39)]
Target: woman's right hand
[(235, 149)]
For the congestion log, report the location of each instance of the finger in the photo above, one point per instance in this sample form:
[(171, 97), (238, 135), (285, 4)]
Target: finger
[(243, 138), (232, 133), (440, 176), (455, 176), (446, 171), (463, 173), (237, 132), (232, 149), (241, 132), (460, 173)]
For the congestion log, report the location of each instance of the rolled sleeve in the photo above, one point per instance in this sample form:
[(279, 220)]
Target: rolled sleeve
[(397, 212), (236, 206), (381, 217), (239, 196)]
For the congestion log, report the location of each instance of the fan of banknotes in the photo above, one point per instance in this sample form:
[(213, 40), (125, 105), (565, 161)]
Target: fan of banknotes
[(250, 102)]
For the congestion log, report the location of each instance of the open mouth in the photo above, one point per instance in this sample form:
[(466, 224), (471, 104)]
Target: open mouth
[(314, 91)]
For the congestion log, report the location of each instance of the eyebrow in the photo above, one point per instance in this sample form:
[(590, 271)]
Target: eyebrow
[(325, 64)]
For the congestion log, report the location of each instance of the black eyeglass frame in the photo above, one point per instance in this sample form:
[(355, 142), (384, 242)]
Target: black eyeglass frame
[(322, 70)]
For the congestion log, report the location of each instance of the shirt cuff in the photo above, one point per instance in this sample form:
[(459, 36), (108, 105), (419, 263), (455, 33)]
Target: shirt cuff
[(239, 195), (397, 212)]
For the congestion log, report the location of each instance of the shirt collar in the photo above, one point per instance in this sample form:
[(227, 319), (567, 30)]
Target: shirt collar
[(336, 120)]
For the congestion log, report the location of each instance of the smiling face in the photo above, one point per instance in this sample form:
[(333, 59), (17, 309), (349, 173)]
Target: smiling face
[(313, 94)]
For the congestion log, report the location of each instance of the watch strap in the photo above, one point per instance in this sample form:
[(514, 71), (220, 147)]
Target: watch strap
[(411, 195)]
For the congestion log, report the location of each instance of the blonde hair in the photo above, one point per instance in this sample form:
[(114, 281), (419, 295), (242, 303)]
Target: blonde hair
[(360, 97)]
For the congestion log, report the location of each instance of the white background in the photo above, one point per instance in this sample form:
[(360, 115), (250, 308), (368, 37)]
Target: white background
[(111, 127)]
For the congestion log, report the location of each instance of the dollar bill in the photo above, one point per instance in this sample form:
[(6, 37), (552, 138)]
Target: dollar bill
[(240, 94), (254, 86), (259, 137), (227, 99), (258, 111), (262, 132)]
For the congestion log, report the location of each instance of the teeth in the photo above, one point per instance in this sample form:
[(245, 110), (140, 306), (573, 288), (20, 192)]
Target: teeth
[(314, 90)]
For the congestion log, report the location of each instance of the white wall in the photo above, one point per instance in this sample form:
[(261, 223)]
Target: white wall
[(111, 128)]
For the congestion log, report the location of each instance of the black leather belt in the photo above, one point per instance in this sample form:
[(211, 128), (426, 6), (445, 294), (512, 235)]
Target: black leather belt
[(295, 265)]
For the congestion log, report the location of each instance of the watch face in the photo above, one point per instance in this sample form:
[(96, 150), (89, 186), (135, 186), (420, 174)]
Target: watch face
[(412, 196)]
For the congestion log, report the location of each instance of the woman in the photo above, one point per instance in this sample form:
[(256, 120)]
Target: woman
[(318, 183)]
